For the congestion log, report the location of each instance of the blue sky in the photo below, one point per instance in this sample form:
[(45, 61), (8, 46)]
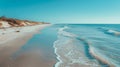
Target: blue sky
[(63, 11)]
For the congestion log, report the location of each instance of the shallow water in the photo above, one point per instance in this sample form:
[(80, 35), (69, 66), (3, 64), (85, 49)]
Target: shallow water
[(38, 51), (74, 46)]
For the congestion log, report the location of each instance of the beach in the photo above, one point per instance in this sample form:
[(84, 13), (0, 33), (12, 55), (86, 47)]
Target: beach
[(11, 41), (59, 46)]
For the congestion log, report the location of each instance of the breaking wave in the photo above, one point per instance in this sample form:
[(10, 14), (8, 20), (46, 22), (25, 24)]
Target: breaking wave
[(73, 51), (110, 31)]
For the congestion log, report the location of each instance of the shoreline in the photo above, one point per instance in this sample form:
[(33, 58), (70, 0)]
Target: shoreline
[(12, 41)]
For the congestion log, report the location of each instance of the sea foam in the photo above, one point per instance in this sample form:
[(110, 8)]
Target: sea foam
[(70, 52)]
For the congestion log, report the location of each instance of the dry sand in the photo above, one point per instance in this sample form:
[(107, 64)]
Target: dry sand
[(11, 41)]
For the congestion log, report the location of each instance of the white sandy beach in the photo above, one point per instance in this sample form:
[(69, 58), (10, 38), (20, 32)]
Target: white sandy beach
[(12, 39)]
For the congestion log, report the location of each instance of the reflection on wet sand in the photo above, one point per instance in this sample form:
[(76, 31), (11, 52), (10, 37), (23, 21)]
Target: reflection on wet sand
[(11, 43)]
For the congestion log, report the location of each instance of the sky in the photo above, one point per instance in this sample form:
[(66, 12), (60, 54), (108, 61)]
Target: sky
[(63, 11)]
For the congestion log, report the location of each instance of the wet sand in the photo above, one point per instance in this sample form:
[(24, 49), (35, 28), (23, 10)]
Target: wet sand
[(11, 42)]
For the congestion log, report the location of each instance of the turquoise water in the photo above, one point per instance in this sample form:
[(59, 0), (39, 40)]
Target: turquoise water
[(102, 40), (87, 44)]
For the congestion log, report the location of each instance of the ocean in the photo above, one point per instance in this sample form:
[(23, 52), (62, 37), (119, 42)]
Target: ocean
[(78, 45)]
